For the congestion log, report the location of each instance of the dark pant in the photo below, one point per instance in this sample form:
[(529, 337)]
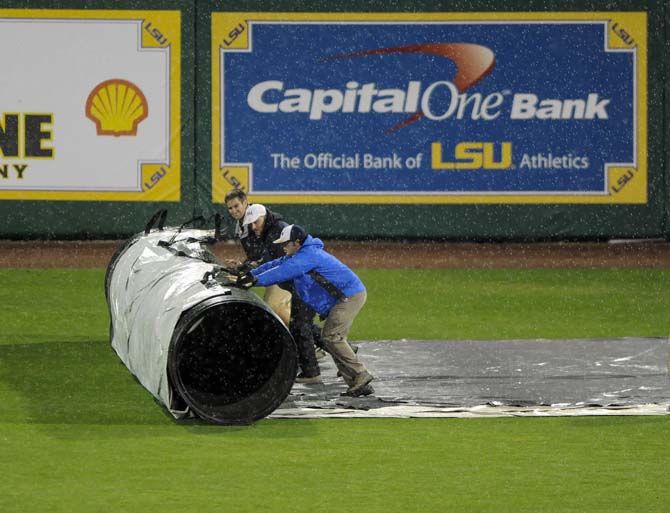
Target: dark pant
[(302, 317)]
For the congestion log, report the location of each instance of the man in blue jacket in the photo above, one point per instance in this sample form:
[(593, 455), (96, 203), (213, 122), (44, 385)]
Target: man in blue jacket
[(330, 288)]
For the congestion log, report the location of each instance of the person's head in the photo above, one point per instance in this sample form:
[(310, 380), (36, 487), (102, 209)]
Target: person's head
[(236, 202), (291, 238), (255, 216)]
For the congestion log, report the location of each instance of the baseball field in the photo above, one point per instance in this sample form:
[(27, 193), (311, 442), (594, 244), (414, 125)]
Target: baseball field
[(79, 434)]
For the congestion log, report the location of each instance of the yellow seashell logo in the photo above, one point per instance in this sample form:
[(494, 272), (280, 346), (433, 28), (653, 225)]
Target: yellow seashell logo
[(116, 107)]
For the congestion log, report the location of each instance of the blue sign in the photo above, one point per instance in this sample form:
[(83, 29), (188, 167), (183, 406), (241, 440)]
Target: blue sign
[(517, 110)]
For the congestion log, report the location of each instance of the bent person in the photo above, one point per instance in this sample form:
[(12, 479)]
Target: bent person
[(330, 288)]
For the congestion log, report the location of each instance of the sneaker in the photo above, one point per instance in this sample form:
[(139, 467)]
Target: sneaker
[(360, 381), (363, 391), (320, 354), (308, 380)]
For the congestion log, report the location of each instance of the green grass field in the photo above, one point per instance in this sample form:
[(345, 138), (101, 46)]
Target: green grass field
[(78, 434)]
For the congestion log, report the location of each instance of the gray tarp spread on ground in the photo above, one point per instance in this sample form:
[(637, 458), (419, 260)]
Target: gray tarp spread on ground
[(436, 378)]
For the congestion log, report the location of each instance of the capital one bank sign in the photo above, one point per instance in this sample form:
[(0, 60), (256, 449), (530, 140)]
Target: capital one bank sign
[(430, 108)]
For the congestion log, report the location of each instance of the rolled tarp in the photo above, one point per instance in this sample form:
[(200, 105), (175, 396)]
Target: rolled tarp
[(199, 345)]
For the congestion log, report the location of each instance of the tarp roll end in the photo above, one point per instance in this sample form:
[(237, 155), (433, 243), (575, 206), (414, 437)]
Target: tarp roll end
[(199, 346)]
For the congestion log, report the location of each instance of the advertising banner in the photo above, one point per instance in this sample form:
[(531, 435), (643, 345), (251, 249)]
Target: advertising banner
[(90, 105), (524, 107)]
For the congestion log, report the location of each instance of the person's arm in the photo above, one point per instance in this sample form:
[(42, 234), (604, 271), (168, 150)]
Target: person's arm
[(268, 265), (287, 268), (247, 279)]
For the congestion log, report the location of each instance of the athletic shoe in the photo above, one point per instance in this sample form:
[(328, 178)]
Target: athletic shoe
[(320, 353), (308, 380), (363, 391), (360, 381)]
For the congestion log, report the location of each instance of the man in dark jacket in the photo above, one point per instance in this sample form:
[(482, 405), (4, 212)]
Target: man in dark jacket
[(254, 242), (330, 288), (255, 250), (266, 227)]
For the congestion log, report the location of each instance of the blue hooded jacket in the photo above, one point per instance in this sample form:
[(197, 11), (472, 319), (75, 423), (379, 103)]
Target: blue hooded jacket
[(320, 279)]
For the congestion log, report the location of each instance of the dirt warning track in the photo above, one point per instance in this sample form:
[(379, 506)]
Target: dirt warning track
[(382, 254)]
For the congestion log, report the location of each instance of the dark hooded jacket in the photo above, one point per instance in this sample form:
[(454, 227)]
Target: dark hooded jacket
[(261, 249)]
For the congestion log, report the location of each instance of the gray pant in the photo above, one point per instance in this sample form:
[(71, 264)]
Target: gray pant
[(335, 332)]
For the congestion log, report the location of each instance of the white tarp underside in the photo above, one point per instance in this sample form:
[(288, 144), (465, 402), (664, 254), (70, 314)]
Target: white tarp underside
[(150, 287)]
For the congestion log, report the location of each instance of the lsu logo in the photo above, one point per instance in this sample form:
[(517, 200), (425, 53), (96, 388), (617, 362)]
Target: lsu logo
[(473, 155)]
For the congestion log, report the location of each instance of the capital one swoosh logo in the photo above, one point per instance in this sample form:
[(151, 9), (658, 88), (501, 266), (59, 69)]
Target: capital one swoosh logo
[(473, 63)]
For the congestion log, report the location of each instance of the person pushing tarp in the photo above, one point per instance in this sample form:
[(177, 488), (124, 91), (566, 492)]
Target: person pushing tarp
[(333, 290)]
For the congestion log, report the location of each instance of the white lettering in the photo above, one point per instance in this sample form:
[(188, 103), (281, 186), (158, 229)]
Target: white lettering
[(325, 100), (596, 108), (296, 100), (528, 106), (392, 100), (255, 96), (523, 106), (412, 98), (439, 101), (425, 101)]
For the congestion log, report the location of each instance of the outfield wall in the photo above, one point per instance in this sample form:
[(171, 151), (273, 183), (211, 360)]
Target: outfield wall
[(461, 120)]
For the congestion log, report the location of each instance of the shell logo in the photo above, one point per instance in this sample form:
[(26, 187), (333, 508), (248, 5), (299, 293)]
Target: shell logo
[(116, 107)]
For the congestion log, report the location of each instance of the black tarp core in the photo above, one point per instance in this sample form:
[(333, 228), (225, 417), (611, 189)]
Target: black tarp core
[(231, 361)]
